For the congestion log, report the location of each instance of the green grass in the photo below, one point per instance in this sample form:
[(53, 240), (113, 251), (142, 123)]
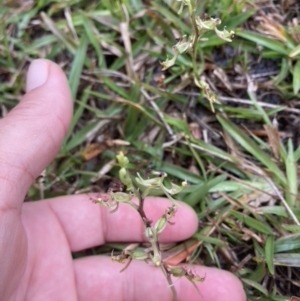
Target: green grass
[(242, 169)]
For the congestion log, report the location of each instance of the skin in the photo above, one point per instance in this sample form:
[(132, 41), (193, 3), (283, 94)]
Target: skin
[(36, 239)]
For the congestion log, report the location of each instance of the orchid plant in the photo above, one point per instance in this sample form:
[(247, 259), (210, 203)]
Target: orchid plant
[(137, 188), (189, 44)]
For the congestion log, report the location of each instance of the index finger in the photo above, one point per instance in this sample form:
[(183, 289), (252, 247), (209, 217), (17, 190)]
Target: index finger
[(87, 225)]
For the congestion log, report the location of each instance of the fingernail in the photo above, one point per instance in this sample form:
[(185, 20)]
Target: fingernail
[(37, 74)]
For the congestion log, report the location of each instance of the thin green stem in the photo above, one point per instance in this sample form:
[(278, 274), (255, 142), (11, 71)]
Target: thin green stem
[(195, 39)]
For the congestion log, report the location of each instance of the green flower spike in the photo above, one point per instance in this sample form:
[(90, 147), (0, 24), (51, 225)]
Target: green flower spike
[(123, 174)]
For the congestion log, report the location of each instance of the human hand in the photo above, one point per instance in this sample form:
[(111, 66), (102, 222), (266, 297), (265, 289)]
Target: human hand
[(37, 238)]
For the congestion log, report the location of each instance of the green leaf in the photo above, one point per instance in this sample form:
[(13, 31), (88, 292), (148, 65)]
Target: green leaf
[(80, 136), (180, 124), (297, 154), (171, 16), (289, 259), (45, 40), (211, 240), (294, 52), (52, 26), (262, 40), (288, 243), (77, 66), (78, 112), (259, 273), (88, 27), (284, 71), (291, 172), (255, 224), (269, 252), (255, 285), (296, 78), (250, 146), (211, 150), (202, 189), (234, 21), (259, 109), (179, 172), (276, 210), (291, 228)]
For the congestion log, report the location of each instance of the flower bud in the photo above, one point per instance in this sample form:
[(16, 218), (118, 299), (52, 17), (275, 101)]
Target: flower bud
[(177, 271), (122, 159), (125, 178), (138, 254), (160, 224)]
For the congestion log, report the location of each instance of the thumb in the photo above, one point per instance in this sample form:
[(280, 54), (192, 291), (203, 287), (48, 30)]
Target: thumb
[(32, 133)]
